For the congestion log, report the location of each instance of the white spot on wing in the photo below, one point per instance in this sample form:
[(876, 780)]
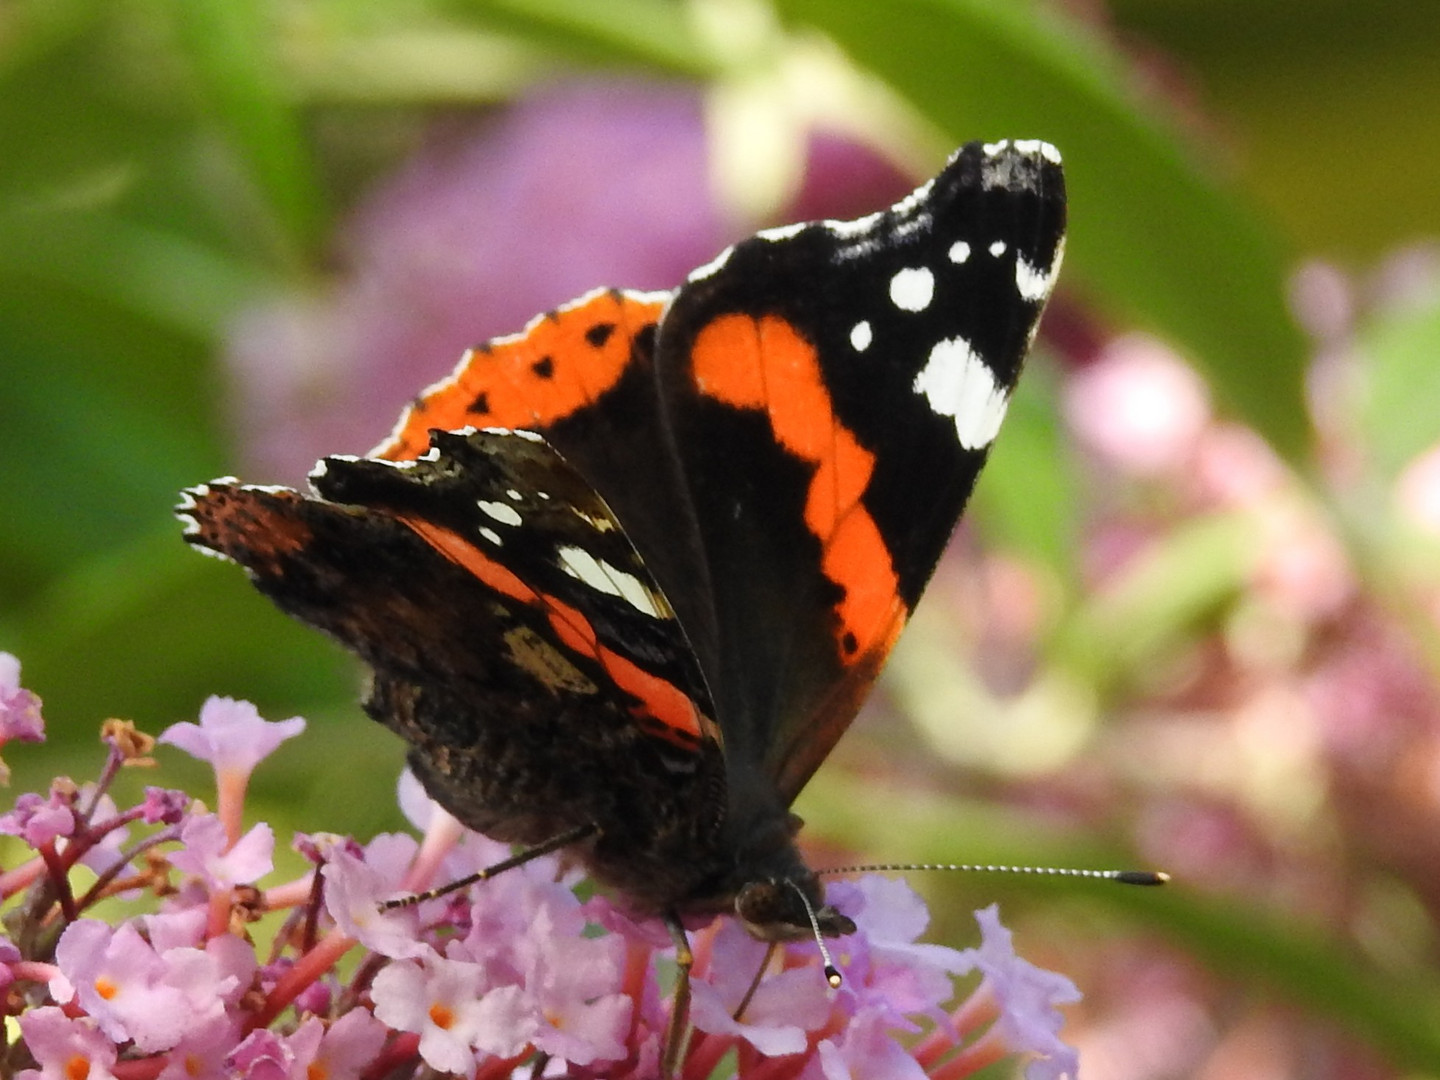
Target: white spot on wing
[(997, 248), (498, 511), (860, 336), (1033, 281), (959, 252), (1039, 147), (513, 495), (912, 289), (491, 535), (604, 578), (959, 384)]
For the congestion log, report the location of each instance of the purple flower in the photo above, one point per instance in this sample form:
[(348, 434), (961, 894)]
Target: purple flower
[(783, 1009), (341, 1051), (65, 1048), (38, 820), (445, 1003), (207, 854), (163, 805), (262, 1055), (580, 185), (573, 982), (231, 735), (203, 1052), (136, 993), (1027, 997), (884, 964), (863, 1049), (19, 708), (355, 886)]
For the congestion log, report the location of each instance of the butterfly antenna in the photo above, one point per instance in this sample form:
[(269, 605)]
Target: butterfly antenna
[(1123, 877), (832, 973)]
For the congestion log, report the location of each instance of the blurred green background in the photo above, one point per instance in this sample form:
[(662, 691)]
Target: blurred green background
[(168, 165)]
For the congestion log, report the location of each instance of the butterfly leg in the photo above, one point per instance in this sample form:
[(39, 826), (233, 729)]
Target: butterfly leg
[(755, 982), (555, 843), (677, 1029)]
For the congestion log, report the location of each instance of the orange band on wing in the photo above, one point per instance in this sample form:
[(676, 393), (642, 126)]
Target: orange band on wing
[(559, 363), (765, 364), (672, 715)]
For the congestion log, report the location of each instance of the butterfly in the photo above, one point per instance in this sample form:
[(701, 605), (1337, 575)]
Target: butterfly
[(625, 577)]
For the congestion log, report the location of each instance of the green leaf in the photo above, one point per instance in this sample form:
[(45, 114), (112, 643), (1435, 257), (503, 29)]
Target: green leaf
[(1188, 574), (165, 277), (1401, 416), (1026, 497), (655, 33), (229, 45), (1154, 236)]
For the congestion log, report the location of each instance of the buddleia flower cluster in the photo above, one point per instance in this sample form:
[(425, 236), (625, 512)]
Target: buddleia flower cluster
[(215, 971)]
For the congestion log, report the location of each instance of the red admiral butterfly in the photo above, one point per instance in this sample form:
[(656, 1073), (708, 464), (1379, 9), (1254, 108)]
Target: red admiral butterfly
[(624, 578)]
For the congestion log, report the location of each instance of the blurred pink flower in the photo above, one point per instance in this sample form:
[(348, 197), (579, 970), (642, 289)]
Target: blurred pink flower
[(1322, 299), (19, 708), (1303, 568), (1234, 467), (1417, 491), (1138, 406)]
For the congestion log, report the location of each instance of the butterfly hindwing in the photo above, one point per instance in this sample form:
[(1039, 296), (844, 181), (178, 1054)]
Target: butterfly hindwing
[(490, 588)]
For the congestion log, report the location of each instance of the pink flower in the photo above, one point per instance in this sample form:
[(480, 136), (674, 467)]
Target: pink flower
[(1138, 406), (233, 738), (262, 1055), (207, 854), (1027, 996), (572, 983), (863, 1049), (202, 1053), (355, 886), (445, 1003), (37, 820), (65, 1048), (231, 735), (19, 708), (785, 1006), (338, 1052), (136, 993)]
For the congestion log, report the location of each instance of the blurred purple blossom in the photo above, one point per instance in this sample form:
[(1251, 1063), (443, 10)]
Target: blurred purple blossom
[(581, 185), (19, 709)]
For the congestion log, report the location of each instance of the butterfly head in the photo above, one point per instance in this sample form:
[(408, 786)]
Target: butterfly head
[(789, 909)]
